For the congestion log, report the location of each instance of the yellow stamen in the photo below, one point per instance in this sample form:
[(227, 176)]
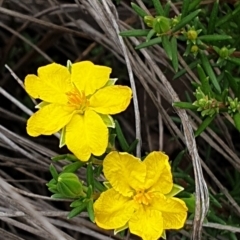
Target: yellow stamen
[(143, 197)]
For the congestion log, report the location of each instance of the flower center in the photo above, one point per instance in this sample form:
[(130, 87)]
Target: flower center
[(78, 100), (143, 197)]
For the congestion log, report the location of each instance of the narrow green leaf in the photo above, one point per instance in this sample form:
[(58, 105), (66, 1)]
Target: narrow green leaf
[(90, 176), (174, 53), (190, 202), (184, 21), (140, 12), (236, 118), (58, 196), (232, 82), (185, 6), (167, 46), (192, 65), (77, 203), (69, 157), (184, 105), (205, 87), (158, 7), (214, 201), (73, 167), (214, 218), (90, 210), (213, 18), (193, 5), (149, 43), (133, 146), (214, 37), (135, 33), (53, 172), (122, 140), (208, 69), (53, 189), (150, 35), (167, 8), (99, 186), (77, 210), (234, 60), (204, 125)]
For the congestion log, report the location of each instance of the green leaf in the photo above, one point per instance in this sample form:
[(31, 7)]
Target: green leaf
[(158, 7), (90, 210), (62, 137), (99, 186), (205, 87), (234, 60), (184, 21), (190, 202), (135, 33), (174, 53), (140, 12), (149, 43), (167, 8), (232, 82), (77, 203), (53, 189), (204, 125), (69, 157), (184, 105), (90, 176), (213, 18), (183, 71), (133, 146), (72, 167), (236, 118), (208, 69), (167, 46), (122, 140), (193, 5), (77, 210), (214, 37), (58, 196), (185, 6), (150, 35), (53, 172)]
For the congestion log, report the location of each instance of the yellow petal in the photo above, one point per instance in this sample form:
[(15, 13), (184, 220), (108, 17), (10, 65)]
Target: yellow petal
[(124, 172), (88, 77), (49, 119), (86, 134), (174, 211), (111, 99), (159, 176), (51, 84), (112, 210), (147, 223)]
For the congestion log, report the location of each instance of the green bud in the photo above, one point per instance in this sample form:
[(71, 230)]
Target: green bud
[(194, 49), (69, 185), (192, 35), (233, 105), (149, 20), (161, 24), (223, 53)]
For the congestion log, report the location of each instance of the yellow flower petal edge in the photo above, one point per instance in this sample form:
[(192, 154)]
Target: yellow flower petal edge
[(69, 95), (137, 182)]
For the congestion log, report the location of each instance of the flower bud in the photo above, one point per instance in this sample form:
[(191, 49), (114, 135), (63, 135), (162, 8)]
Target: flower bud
[(149, 20), (161, 24)]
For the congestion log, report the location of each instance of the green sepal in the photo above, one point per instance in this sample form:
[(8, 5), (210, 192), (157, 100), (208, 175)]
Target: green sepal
[(72, 167), (53, 189), (151, 42), (53, 172), (190, 202), (62, 140), (208, 69), (236, 118), (122, 140), (90, 210), (108, 120), (167, 46), (90, 176), (175, 190), (69, 66), (205, 123), (41, 105), (107, 185), (120, 229), (185, 105), (164, 236), (158, 7), (174, 53), (184, 21), (69, 185), (139, 11), (77, 210), (214, 37), (111, 82), (135, 33)]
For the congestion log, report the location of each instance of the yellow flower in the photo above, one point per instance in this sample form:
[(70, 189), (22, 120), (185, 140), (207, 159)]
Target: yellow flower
[(76, 100), (138, 197)]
